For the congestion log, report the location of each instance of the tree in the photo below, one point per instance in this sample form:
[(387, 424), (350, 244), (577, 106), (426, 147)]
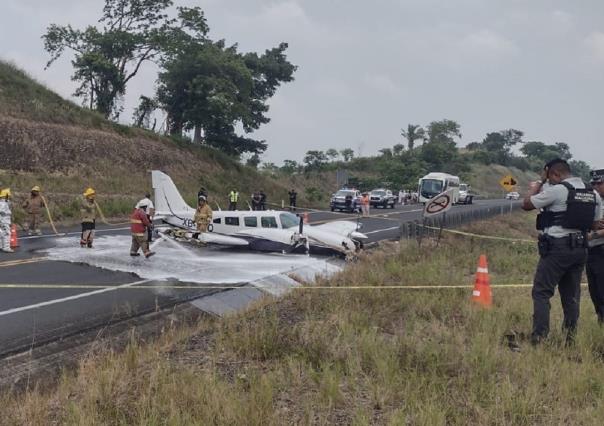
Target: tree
[(440, 152), (332, 154), (580, 169), (290, 166), (398, 149), (253, 161), (142, 114), (386, 152), (315, 160), (212, 88), (413, 133), (347, 154), (106, 59)]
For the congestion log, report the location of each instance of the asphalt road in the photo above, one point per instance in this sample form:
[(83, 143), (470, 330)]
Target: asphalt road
[(31, 316)]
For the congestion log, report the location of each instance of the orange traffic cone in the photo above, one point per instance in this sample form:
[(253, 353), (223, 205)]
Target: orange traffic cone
[(482, 288), (14, 241), (305, 217)]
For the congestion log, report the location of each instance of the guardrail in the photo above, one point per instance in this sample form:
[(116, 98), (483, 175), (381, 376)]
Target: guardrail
[(452, 219)]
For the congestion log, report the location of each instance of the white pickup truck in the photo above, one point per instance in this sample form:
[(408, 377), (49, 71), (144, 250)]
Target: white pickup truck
[(465, 196)]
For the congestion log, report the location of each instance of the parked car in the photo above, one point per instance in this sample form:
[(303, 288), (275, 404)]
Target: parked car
[(346, 199), (382, 198), (512, 196)]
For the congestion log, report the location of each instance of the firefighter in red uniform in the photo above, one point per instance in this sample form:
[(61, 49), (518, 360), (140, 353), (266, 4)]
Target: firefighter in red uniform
[(139, 222)]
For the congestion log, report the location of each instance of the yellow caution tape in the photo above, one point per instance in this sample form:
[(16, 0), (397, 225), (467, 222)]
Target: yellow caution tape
[(488, 237)]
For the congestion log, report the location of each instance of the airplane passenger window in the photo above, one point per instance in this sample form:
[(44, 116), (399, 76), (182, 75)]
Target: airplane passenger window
[(269, 222), (250, 221), (231, 221), (216, 220)]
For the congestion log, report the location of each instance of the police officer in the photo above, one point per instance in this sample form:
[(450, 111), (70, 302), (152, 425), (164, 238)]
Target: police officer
[(568, 211), (595, 259)]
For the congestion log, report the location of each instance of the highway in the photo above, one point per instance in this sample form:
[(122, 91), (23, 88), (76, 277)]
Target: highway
[(50, 290)]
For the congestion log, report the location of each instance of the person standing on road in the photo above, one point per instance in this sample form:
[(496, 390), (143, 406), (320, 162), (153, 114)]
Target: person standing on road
[(568, 211), (293, 195), (5, 220), (262, 200), (88, 216), (33, 207), (595, 256), (365, 204), (203, 215), (401, 197), (139, 223), (256, 198), (150, 211), (233, 198)]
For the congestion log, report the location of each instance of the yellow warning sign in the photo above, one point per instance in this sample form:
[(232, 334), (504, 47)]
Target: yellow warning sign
[(508, 183)]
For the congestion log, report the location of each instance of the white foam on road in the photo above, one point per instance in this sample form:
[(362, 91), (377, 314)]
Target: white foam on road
[(184, 263)]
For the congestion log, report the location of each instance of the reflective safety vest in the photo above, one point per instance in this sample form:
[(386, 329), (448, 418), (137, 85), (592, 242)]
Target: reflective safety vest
[(234, 195)]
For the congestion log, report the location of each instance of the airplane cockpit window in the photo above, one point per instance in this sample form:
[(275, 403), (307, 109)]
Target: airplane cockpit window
[(217, 220), (269, 222), (251, 221), (231, 221), (289, 220)]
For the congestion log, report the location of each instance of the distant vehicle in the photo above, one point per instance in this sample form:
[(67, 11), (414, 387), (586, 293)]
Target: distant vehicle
[(382, 198), (434, 183), (512, 196), (346, 199), (465, 196)]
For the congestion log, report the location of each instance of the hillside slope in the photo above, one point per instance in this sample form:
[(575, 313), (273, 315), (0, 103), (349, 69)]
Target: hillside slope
[(52, 142)]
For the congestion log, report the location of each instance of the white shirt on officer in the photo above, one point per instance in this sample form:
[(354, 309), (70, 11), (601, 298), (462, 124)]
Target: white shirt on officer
[(554, 198)]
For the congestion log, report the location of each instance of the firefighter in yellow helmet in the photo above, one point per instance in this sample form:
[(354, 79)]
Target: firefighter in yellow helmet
[(33, 207), (88, 215), (203, 215), (5, 220)]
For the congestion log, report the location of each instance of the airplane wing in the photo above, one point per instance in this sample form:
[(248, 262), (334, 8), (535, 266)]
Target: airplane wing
[(341, 227), (205, 237)]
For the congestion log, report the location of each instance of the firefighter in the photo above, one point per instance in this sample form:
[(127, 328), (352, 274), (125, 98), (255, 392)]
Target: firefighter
[(88, 215), (233, 198), (139, 223), (203, 215), (33, 207), (595, 252), (5, 220), (150, 213)]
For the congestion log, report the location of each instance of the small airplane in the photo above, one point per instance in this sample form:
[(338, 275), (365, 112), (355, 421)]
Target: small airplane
[(265, 230)]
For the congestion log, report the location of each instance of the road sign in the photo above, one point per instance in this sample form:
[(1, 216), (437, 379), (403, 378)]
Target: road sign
[(508, 183), (439, 204)]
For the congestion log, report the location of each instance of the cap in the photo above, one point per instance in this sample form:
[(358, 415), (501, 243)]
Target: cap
[(202, 198), (597, 176), (36, 189), (5, 193)]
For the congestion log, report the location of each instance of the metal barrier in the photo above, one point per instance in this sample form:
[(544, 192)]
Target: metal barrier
[(452, 219)]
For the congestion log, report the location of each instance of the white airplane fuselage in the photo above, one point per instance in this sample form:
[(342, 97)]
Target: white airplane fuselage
[(264, 230)]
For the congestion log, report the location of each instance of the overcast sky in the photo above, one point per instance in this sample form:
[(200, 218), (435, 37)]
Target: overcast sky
[(368, 68)]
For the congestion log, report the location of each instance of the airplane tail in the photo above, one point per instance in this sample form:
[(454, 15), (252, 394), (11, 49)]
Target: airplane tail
[(168, 201)]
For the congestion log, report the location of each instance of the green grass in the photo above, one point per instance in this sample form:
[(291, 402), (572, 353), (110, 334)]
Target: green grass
[(370, 356)]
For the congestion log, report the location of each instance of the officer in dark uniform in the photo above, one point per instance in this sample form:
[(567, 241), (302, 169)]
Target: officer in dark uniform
[(568, 212), (595, 259)]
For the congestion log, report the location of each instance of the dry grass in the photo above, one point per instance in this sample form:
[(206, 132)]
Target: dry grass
[(336, 356)]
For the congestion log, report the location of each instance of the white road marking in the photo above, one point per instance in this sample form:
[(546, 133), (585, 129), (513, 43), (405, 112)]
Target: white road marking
[(381, 230), (67, 299)]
